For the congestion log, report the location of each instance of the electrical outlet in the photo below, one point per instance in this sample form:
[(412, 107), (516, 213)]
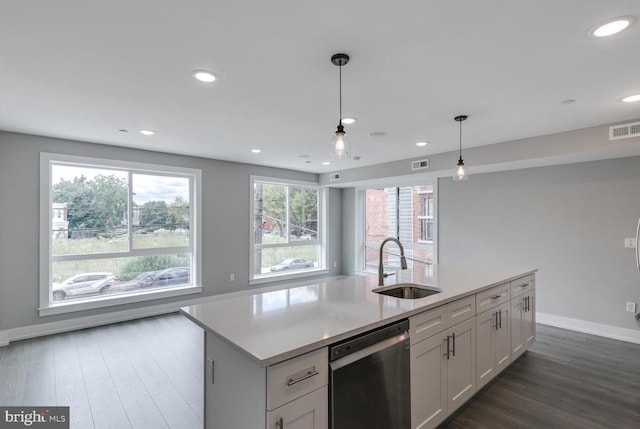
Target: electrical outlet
[(631, 307), (232, 277), (630, 243)]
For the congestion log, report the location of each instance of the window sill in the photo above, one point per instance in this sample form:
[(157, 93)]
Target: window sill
[(110, 301), (288, 276)]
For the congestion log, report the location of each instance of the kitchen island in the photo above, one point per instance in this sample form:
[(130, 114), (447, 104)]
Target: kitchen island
[(266, 350)]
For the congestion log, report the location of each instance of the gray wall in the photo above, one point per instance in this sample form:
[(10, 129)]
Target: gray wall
[(225, 225), (569, 221)]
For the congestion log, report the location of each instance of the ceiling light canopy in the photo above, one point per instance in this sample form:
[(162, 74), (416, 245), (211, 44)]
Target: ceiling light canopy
[(204, 76), (611, 27), (349, 121), (460, 171), (631, 98), (339, 147), (147, 132)]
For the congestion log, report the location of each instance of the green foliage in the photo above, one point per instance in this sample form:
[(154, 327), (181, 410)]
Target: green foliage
[(153, 263), (303, 215), (303, 208), (159, 214), (97, 206)]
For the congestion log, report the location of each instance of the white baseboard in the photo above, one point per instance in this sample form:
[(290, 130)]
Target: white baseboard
[(49, 328), (608, 331)]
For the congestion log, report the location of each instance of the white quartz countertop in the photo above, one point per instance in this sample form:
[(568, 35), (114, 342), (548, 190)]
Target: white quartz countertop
[(272, 325)]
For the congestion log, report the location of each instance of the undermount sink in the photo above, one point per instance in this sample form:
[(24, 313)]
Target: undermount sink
[(407, 290)]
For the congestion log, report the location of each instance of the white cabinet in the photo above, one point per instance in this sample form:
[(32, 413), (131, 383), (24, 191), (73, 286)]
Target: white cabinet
[(461, 364), (428, 383), (443, 366), (307, 412), (523, 315), (493, 339), (239, 393)]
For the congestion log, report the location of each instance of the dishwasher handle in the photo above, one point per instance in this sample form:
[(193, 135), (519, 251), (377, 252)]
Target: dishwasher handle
[(368, 351)]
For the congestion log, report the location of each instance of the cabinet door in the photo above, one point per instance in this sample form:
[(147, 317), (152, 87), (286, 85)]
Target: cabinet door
[(307, 412), (486, 323), (517, 322), (502, 356), (529, 321), (461, 365), (428, 383)]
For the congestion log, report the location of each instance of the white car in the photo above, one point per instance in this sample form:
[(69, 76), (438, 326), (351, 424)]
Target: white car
[(292, 264), (81, 284)]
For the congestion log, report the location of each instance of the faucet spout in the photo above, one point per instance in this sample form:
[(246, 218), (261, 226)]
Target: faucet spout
[(403, 260)]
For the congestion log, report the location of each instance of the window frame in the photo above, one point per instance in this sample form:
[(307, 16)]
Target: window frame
[(321, 241), (426, 218), (360, 235), (47, 160)]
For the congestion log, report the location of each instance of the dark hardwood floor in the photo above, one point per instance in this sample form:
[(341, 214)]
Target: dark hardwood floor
[(148, 374), (566, 380)]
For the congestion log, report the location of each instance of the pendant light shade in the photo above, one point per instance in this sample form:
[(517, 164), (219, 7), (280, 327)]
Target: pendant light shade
[(339, 146), (460, 172)]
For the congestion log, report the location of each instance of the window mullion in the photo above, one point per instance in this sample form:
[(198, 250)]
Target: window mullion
[(130, 214)]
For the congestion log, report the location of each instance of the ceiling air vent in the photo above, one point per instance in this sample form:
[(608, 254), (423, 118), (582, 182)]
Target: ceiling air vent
[(624, 131), (421, 164), (334, 176)]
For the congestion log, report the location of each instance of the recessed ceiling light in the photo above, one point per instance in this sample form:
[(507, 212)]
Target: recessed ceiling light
[(421, 144), (348, 121), (256, 150), (569, 101), (326, 163), (611, 27), (631, 98), (378, 134), (204, 76), (147, 132), (124, 131)]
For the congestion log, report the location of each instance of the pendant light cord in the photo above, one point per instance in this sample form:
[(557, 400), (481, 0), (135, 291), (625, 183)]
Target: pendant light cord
[(460, 123), (340, 97)]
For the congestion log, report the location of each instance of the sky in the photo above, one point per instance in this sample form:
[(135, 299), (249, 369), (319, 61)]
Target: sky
[(146, 187)]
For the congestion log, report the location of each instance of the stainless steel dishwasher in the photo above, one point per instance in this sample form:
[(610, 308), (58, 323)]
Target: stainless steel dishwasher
[(370, 381)]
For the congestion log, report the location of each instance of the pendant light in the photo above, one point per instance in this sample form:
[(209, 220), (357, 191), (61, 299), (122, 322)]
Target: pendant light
[(460, 171), (339, 147)]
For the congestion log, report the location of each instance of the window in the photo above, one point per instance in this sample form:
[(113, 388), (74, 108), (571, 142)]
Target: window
[(406, 213), (426, 216), (114, 232), (287, 237)]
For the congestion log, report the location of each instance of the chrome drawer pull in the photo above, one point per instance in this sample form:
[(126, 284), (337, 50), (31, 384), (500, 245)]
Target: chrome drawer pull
[(525, 284), (496, 296), (309, 374), (280, 423)]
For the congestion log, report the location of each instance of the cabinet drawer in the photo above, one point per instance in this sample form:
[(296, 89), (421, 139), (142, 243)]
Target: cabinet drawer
[(431, 322), (428, 323), (296, 377), (309, 412), (460, 310), (522, 285), (491, 297)]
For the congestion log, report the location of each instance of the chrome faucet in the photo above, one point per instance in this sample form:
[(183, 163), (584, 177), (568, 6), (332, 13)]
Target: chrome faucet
[(403, 260)]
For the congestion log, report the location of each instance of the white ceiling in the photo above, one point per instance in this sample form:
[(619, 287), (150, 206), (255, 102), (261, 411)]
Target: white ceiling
[(83, 70)]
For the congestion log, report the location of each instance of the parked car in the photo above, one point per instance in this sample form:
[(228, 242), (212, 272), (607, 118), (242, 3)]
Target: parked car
[(140, 281), (172, 276), (292, 264), (82, 284)]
